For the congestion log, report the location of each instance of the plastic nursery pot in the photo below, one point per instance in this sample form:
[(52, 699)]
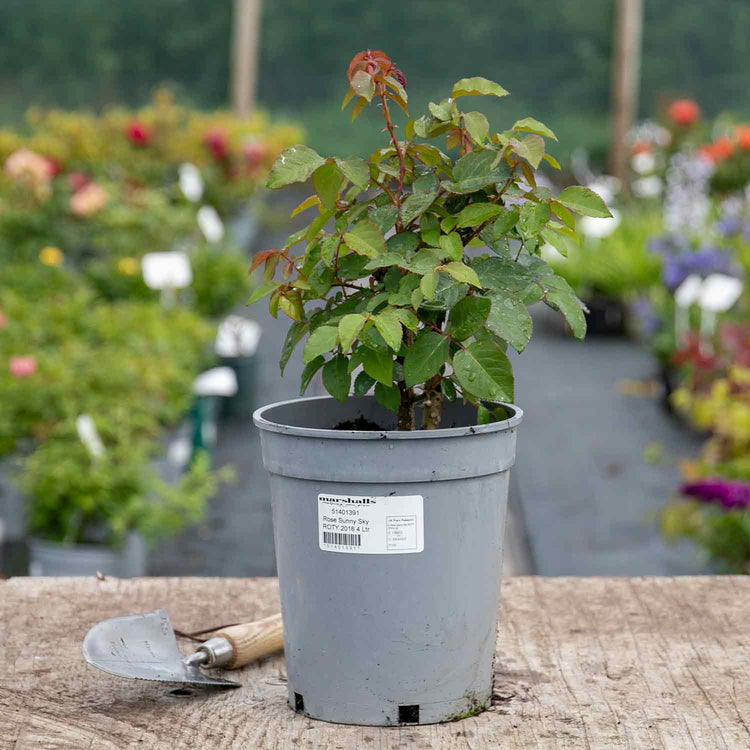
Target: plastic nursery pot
[(389, 554), (243, 402), (55, 559)]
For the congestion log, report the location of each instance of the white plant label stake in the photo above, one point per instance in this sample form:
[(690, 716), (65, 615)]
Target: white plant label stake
[(89, 435), (167, 272), (191, 182), (371, 525), (718, 293), (210, 224)]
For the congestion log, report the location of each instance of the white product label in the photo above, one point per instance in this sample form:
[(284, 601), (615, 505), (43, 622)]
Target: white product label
[(371, 525)]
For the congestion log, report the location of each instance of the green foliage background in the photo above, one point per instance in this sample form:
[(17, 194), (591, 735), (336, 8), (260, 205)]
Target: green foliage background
[(552, 55)]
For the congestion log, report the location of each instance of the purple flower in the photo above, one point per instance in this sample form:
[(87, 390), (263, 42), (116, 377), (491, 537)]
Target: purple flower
[(648, 321), (704, 261), (729, 226), (667, 244), (728, 493)]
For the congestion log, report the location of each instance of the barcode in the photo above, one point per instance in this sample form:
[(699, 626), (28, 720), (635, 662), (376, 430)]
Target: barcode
[(351, 540)]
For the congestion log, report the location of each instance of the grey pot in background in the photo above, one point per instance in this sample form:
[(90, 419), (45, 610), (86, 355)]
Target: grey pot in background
[(389, 555), (55, 559)]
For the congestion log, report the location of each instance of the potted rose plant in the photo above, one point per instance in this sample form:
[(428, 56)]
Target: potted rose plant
[(414, 277)]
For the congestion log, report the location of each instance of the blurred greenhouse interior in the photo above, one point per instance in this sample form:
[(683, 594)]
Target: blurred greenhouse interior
[(136, 141)]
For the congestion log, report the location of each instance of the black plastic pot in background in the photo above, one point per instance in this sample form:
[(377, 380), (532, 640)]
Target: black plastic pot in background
[(607, 316), (242, 404)]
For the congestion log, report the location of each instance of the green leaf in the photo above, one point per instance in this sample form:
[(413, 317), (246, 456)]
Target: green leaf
[(477, 86), (584, 201), (424, 189), (356, 170), (534, 216), (294, 335), (531, 125), (468, 315), (328, 249), (452, 245), (378, 365), (425, 261), (563, 242), (336, 377), (448, 389), (510, 320), (476, 171), (388, 397), (406, 286), (484, 370), (384, 216), (385, 260), (425, 357), (320, 280), (441, 111), (530, 148), (461, 272), (429, 227), (295, 164), (552, 161), (560, 296), (448, 224), (402, 243), (308, 372), (349, 328), (477, 125), (407, 318), (428, 284), (327, 181), (362, 384), (321, 340), (503, 274), (263, 291), (563, 214), (389, 326), (477, 213), (363, 85), (506, 222), (352, 267), (366, 239)]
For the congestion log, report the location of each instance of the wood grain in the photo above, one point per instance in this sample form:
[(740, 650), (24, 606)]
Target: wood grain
[(581, 663)]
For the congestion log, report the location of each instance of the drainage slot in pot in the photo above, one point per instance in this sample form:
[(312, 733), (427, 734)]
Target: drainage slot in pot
[(299, 702), (408, 714)]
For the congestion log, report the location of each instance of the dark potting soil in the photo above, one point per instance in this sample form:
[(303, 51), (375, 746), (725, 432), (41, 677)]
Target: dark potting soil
[(361, 424)]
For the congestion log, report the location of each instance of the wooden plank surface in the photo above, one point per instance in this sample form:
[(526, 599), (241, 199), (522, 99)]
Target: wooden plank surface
[(581, 663)]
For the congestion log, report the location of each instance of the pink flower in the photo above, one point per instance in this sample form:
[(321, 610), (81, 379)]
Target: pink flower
[(77, 180), (88, 200), (216, 142), (255, 153), (22, 367), (138, 133)]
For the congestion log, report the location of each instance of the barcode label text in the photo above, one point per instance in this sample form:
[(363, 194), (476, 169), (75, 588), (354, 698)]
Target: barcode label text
[(350, 540)]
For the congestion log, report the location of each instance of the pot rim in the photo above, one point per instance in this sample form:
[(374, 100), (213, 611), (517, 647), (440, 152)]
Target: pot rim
[(269, 426)]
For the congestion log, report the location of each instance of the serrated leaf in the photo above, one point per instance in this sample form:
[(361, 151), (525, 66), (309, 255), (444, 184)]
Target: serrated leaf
[(425, 261), (328, 249), (388, 397), (452, 245), (294, 335), (295, 164), (441, 111), (563, 214), (407, 318), (362, 384), (505, 222), (415, 205), (468, 315), (477, 126), (502, 274), (406, 285), (349, 328), (384, 216), (363, 85), (385, 260), (365, 239), (530, 148), (402, 243), (429, 227), (336, 378), (510, 320), (321, 340), (477, 170), (448, 224), (308, 371), (584, 201), (378, 365), (531, 125), (307, 203), (477, 86), (425, 357), (559, 295), (461, 272), (290, 303), (417, 297), (356, 170), (263, 291), (533, 217), (561, 241), (484, 370), (477, 213), (428, 284), (389, 326), (327, 181)]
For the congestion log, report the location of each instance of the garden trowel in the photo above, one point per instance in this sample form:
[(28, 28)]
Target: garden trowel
[(144, 647)]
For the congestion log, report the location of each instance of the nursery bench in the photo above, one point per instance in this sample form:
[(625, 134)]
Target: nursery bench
[(581, 663)]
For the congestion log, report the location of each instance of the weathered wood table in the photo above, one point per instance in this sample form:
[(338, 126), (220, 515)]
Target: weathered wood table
[(581, 663)]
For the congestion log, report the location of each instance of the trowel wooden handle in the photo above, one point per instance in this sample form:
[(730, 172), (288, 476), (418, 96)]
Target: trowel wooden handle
[(253, 640)]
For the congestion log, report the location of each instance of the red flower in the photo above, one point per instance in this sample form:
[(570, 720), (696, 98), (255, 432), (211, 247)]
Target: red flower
[(255, 153), (22, 367), (684, 112), (743, 137), (721, 149), (77, 180), (138, 133), (216, 142), (54, 167)]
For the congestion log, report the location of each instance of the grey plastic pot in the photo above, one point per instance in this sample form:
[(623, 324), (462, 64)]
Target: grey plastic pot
[(403, 633), (54, 559)]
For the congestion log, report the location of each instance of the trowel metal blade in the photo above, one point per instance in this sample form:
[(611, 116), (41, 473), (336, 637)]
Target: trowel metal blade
[(143, 647)]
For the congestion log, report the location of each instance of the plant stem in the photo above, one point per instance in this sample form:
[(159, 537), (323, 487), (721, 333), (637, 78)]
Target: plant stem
[(399, 153), (433, 404), (405, 415)]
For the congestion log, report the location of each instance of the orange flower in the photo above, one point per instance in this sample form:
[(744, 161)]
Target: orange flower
[(641, 147), (743, 137), (684, 112)]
